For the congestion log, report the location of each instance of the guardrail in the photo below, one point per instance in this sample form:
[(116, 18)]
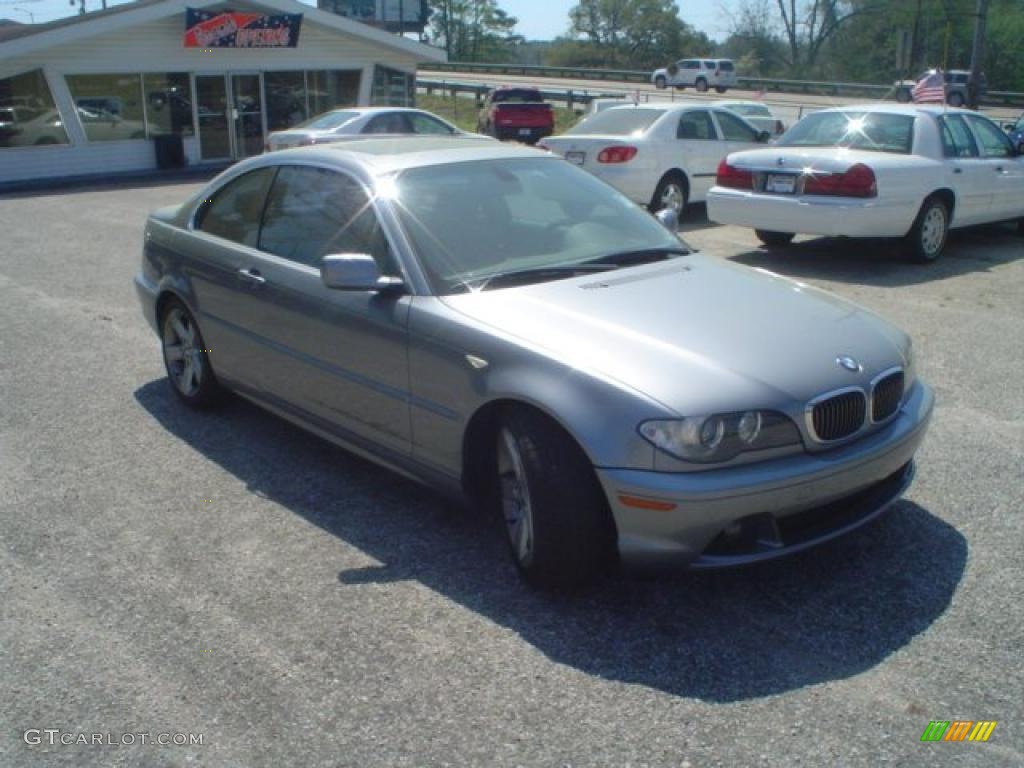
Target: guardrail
[(571, 97), (776, 85)]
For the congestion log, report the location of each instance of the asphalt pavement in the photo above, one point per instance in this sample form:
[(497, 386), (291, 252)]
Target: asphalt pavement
[(231, 577)]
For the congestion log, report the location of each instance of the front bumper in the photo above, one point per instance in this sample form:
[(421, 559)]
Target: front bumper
[(837, 217), (753, 512)]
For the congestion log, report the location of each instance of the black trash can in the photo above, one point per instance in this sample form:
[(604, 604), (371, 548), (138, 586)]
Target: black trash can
[(170, 151)]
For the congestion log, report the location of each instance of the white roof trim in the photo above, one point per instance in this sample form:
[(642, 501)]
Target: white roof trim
[(109, 22)]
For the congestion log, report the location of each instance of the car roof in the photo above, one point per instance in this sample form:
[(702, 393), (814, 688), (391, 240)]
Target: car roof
[(399, 153), (369, 110)]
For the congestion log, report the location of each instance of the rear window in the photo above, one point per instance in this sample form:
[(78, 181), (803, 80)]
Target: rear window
[(618, 121), (725, 66), (328, 120), (749, 110), (874, 131), (521, 95)]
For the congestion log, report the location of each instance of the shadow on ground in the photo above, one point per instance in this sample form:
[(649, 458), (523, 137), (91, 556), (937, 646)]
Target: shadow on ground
[(881, 262), (819, 616)]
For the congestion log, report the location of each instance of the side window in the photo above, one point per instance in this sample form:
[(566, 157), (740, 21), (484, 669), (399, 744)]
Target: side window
[(696, 125), (388, 122), (233, 212), (957, 140), (690, 65), (312, 212), (734, 129), (427, 124), (994, 143), (709, 65)]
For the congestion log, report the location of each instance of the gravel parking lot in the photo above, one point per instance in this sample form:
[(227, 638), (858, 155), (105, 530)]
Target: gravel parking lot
[(231, 576)]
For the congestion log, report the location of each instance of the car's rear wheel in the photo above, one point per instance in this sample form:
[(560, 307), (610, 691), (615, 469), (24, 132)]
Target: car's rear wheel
[(721, 89), (956, 99), (672, 192), (186, 358), (926, 239), (660, 82), (557, 521), (701, 85), (774, 239), (903, 95)]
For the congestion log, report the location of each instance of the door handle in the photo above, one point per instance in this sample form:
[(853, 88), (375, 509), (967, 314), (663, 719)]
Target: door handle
[(252, 276)]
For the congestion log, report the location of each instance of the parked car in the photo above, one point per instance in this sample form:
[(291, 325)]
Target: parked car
[(517, 113), (701, 74), (357, 121), (755, 113), (956, 86), (604, 389), (913, 172), (661, 156), (1016, 133)]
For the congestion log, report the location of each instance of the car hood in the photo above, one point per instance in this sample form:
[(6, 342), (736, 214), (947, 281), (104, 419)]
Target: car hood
[(695, 333)]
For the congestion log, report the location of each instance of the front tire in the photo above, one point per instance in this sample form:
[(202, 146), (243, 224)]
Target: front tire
[(557, 521), (672, 192), (701, 85), (926, 239), (774, 239), (660, 82), (721, 89), (186, 358)]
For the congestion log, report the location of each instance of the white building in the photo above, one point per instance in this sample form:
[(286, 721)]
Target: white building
[(90, 94)]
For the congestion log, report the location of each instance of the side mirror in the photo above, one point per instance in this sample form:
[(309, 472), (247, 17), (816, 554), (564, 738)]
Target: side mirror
[(763, 137), (669, 219), (355, 272)]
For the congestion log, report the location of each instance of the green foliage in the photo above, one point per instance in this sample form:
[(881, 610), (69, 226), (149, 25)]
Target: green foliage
[(474, 30)]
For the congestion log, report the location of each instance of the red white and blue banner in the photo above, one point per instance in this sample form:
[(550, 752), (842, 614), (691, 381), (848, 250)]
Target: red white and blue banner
[(232, 29)]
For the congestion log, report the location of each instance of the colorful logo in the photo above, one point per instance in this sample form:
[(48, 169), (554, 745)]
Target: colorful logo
[(958, 730)]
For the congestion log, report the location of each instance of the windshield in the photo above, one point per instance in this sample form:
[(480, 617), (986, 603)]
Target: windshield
[(875, 131), (618, 121), (470, 221), (327, 121), (524, 95)]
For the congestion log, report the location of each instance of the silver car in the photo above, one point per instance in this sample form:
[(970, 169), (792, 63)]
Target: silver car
[(505, 327)]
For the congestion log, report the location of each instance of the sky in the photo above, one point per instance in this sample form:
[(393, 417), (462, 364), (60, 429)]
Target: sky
[(538, 19)]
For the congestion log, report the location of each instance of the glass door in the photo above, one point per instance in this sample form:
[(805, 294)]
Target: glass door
[(248, 115), (213, 118)]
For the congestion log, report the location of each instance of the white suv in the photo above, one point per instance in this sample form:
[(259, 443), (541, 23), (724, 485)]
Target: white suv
[(702, 74)]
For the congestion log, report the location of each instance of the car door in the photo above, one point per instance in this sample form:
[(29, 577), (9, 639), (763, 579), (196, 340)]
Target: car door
[(336, 356), (1005, 165), (687, 74), (700, 150), (218, 247), (967, 174)]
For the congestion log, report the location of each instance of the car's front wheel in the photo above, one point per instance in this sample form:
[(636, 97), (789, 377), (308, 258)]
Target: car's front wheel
[(660, 82), (186, 358), (721, 88), (774, 239), (701, 85), (556, 517), (927, 238)]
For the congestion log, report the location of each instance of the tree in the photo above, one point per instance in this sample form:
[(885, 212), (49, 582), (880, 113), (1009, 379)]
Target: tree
[(636, 34), (474, 30)]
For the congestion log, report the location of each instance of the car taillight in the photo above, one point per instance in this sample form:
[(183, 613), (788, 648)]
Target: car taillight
[(731, 176), (620, 154), (856, 181)]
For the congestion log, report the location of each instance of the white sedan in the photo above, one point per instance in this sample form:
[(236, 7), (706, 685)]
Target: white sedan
[(661, 156), (342, 124), (911, 172)]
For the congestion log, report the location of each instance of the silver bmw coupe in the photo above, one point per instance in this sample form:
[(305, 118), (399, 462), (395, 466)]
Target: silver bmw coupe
[(498, 324)]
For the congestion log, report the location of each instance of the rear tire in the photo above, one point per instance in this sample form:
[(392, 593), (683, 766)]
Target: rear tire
[(774, 239), (701, 85), (721, 89), (673, 192), (926, 239), (556, 517), (903, 96), (185, 358)]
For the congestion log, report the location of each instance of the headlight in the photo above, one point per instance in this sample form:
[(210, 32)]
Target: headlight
[(721, 436)]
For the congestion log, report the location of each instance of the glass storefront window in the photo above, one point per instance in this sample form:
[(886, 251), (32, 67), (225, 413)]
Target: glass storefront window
[(28, 116), (109, 106), (392, 88), (286, 99), (168, 104), (329, 89)]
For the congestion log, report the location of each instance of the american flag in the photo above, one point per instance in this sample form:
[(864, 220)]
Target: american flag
[(930, 89)]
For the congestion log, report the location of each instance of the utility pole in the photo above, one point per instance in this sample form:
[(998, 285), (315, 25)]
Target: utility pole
[(977, 55)]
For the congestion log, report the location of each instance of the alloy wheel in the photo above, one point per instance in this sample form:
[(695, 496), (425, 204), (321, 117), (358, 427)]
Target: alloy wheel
[(183, 357), (516, 506)]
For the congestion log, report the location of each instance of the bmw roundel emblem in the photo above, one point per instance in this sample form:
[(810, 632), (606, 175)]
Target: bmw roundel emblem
[(847, 362)]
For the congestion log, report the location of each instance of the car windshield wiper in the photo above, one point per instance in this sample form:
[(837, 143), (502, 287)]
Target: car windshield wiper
[(538, 274), (633, 258)]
